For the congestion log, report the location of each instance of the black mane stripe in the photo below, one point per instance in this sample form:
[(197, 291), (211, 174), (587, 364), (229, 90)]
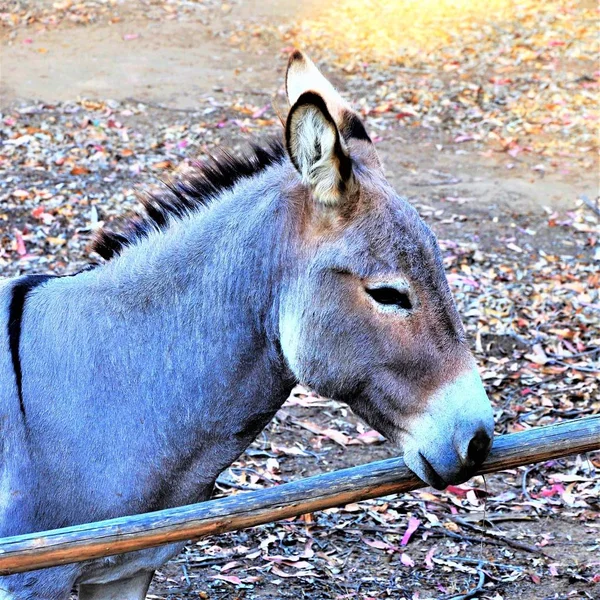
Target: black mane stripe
[(20, 292), (186, 193)]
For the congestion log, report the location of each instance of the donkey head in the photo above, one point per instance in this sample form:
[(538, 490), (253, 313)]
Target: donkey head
[(368, 317)]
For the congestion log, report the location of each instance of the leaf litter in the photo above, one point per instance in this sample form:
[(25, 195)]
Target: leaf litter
[(517, 83)]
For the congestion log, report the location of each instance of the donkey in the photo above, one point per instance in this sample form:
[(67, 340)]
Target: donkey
[(130, 386)]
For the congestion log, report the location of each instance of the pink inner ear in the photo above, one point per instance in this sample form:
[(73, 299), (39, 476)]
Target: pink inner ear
[(317, 149)]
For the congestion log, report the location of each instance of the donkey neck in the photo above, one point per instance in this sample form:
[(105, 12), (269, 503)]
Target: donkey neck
[(202, 297), (222, 262)]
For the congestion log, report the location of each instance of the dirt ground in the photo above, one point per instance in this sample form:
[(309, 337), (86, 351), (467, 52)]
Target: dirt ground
[(182, 62)]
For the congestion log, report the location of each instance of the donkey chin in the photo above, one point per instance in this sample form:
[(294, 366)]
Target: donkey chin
[(448, 442)]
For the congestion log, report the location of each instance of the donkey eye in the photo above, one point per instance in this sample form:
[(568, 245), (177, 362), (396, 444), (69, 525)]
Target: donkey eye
[(390, 296)]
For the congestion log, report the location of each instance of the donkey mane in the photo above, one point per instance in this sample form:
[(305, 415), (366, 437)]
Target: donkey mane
[(186, 193)]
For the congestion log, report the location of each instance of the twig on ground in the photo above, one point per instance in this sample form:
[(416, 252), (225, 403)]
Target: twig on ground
[(452, 181), (162, 106), (494, 541), (583, 369), (186, 575), (248, 92), (593, 207), (475, 591), (494, 535), (479, 562), (255, 472), (595, 350), (524, 481)]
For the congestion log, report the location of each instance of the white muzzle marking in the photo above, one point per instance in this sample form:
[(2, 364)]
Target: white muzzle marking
[(445, 444)]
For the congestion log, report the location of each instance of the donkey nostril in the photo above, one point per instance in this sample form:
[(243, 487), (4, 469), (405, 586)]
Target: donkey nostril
[(479, 447)]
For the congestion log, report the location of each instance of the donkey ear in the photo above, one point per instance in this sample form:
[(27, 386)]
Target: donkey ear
[(303, 76), (317, 149)]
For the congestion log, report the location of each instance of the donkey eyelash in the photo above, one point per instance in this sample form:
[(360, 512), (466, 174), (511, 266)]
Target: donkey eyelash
[(389, 296)]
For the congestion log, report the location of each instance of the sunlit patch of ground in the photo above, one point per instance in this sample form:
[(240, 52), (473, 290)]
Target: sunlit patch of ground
[(397, 30), (521, 75), (407, 31)]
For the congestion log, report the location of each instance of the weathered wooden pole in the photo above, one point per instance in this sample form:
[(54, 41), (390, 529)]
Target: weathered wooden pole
[(94, 540)]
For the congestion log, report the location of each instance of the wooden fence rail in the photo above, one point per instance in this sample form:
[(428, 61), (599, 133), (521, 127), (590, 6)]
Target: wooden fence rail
[(114, 536)]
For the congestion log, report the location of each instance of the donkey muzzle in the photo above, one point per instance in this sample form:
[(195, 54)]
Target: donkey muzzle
[(453, 437)]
